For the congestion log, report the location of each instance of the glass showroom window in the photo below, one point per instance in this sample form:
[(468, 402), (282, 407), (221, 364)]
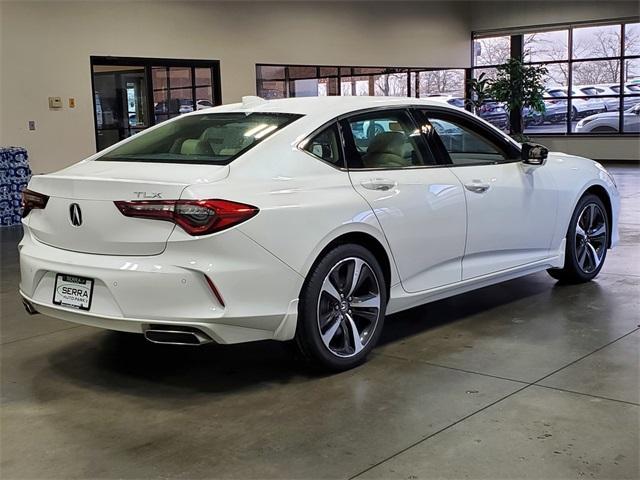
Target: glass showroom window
[(551, 49), (448, 83), (491, 51), (488, 53), (279, 81), (593, 80)]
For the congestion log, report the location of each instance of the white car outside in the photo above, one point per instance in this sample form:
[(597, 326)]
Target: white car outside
[(274, 220), (609, 122), (611, 103), (580, 104)]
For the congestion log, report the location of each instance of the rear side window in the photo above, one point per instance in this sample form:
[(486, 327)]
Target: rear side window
[(214, 138), (386, 140), (326, 146)]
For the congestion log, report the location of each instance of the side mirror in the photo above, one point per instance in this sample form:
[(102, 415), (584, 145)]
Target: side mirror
[(534, 154)]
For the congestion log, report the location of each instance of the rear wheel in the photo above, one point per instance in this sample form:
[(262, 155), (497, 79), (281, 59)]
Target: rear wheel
[(586, 243), (341, 308)]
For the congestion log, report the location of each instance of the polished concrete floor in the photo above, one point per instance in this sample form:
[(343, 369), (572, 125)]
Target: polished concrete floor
[(527, 379)]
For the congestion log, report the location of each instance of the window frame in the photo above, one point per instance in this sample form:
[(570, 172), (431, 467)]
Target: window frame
[(511, 153)]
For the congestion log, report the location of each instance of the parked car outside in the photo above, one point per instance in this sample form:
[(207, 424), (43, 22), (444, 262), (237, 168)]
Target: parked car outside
[(580, 106), (608, 122), (175, 105), (553, 113), (493, 112), (203, 103), (611, 103)]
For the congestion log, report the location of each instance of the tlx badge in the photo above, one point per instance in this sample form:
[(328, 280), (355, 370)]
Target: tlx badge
[(148, 194)]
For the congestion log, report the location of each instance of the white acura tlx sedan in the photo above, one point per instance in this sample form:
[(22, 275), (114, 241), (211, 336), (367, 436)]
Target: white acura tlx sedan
[(306, 220)]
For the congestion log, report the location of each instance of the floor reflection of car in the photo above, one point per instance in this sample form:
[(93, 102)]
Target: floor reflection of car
[(608, 122), (581, 105)]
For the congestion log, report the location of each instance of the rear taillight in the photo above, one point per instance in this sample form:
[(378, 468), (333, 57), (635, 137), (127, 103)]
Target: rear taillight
[(196, 217), (32, 200)]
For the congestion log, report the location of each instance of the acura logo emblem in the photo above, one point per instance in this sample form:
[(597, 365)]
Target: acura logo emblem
[(75, 214)]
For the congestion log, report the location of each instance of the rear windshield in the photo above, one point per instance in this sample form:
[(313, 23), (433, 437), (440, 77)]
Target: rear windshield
[(214, 138)]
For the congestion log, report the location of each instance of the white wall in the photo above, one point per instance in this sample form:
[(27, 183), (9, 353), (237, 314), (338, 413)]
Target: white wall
[(491, 15), (46, 48)]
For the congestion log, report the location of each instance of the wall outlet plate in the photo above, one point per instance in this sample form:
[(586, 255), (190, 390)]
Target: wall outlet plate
[(55, 102)]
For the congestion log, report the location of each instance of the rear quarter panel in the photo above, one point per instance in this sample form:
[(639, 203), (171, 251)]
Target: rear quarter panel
[(304, 203)]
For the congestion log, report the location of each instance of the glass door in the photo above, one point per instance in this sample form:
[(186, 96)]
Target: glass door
[(120, 102), (132, 94)]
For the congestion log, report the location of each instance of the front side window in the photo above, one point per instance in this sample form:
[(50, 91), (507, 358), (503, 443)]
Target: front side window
[(386, 140), (464, 145), (215, 138), (326, 146)]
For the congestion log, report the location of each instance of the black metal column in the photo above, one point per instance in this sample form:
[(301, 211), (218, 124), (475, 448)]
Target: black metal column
[(515, 117)]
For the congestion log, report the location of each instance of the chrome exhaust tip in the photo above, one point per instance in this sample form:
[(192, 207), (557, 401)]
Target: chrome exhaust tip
[(174, 336), (29, 307)]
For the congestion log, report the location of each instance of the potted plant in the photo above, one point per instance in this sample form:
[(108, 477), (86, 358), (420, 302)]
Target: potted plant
[(517, 85)]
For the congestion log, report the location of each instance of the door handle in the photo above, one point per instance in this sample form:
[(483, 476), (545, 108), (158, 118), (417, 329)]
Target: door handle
[(380, 184), (477, 187)]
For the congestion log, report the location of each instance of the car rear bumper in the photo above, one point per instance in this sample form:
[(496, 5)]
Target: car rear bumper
[(258, 292)]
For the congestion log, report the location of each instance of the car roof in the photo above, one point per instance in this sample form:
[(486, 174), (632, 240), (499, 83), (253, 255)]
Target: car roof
[(333, 105)]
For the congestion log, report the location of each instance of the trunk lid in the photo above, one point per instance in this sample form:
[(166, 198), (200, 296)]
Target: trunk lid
[(92, 186)]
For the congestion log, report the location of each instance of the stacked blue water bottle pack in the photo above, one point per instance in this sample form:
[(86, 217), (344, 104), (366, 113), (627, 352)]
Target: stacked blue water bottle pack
[(14, 176)]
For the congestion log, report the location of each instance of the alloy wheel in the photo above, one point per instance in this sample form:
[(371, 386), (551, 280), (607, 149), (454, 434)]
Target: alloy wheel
[(348, 307), (591, 237)]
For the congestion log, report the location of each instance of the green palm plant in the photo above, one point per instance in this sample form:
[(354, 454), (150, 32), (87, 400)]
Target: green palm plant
[(518, 86)]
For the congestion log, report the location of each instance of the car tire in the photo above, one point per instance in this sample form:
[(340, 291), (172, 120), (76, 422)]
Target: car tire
[(340, 323), (586, 242)]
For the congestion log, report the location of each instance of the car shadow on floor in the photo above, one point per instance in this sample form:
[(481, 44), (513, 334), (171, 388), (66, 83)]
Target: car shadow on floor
[(130, 364)]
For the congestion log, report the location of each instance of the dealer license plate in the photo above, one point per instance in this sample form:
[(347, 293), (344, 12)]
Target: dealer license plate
[(72, 291)]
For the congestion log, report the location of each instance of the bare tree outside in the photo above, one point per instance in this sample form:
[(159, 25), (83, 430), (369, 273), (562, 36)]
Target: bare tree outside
[(391, 84), (491, 50), (441, 82), (552, 46)]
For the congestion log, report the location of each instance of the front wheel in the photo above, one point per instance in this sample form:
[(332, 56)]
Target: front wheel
[(586, 243), (342, 307)]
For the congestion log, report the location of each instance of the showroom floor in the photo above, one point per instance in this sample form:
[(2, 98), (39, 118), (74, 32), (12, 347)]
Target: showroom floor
[(526, 379)]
